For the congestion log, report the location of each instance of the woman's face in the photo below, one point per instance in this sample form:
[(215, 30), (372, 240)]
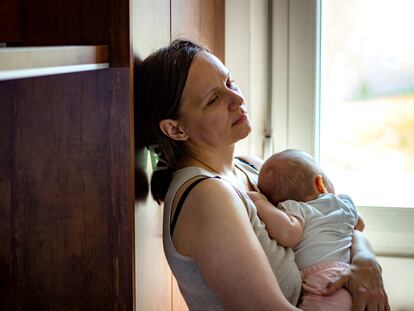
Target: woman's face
[(213, 111)]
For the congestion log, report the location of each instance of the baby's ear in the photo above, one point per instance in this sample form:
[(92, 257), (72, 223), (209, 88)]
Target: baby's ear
[(320, 186), (172, 129)]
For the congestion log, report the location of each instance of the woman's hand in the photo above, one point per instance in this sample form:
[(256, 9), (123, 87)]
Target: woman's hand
[(364, 281)]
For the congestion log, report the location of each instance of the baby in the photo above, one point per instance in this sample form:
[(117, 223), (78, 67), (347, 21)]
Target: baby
[(310, 218)]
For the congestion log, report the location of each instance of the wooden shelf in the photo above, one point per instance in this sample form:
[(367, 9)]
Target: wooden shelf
[(27, 62)]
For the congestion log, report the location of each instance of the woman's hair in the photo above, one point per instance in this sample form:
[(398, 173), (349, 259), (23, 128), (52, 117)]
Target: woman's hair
[(158, 85), (289, 175)]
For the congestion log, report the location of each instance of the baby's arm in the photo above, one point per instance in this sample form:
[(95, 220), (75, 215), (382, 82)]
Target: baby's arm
[(286, 229)]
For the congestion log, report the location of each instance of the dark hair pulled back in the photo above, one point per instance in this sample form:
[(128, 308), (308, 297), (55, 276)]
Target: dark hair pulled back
[(158, 85)]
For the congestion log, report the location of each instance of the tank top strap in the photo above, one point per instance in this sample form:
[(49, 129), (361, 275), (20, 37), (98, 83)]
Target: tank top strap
[(183, 198)]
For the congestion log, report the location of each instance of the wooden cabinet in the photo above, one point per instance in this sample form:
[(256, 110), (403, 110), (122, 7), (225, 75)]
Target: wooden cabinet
[(66, 158), (65, 176)]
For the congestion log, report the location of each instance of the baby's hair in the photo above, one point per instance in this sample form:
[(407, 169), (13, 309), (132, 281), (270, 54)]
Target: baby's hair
[(289, 175)]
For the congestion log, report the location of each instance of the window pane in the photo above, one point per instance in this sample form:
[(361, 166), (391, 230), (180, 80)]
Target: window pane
[(367, 99)]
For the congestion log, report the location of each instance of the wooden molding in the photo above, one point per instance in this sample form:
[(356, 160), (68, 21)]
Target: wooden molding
[(28, 62)]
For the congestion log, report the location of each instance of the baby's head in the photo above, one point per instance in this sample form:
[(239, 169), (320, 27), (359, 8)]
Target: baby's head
[(292, 175)]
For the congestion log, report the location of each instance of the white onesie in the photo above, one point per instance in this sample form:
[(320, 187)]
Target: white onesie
[(329, 222)]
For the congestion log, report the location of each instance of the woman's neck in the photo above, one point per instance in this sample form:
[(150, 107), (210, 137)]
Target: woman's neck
[(217, 161)]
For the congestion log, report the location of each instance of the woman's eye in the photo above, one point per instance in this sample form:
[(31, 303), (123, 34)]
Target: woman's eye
[(230, 83), (211, 101)]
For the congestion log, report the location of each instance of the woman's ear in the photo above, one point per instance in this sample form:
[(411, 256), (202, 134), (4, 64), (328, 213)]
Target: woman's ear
[(172, 129), (320, 186)]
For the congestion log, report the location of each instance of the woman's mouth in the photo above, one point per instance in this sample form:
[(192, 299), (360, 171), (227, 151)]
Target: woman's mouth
[(241, 120)]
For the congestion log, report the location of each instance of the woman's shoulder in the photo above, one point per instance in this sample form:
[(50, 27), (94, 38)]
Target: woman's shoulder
[(204, 193), (214, 196), (183, 176)]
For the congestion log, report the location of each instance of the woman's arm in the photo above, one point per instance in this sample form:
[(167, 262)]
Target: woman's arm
[(364, 280), (360, 225), (214, 229)]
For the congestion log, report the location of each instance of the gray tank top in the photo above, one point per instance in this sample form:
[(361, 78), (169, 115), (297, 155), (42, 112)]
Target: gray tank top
[(193, 286)]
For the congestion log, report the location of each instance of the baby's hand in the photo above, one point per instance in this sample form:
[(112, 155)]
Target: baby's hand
[(256, 196)]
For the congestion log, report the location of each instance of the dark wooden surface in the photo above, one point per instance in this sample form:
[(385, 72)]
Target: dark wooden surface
[(61, 22), (6, 163), (75, 22), (10, 20), (66, 192), (120, 34), (200, 20)]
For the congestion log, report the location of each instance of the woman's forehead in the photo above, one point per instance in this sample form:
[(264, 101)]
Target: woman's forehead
[(209, 60), (206, 72)]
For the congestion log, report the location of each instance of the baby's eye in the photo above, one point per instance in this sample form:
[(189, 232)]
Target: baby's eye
[(212, 100)]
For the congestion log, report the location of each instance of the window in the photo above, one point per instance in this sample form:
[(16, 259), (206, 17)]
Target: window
[(318, 98), (367, 99)]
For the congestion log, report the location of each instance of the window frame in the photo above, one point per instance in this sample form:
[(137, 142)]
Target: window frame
[(296, 57)]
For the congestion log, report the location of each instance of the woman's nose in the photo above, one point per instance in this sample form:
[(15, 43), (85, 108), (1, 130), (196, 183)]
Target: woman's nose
[(236, 100)]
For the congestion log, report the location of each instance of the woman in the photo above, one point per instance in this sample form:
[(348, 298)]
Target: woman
[(216, 246)]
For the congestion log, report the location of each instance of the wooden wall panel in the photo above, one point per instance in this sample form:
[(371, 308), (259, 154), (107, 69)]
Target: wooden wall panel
[(62, 22), (71, 202), (6, 162), (121, 219), (186, 20), (200, 20), (120, 33), (10, 20), (219, 29), (150, 26), (154, 277), (151, 30)]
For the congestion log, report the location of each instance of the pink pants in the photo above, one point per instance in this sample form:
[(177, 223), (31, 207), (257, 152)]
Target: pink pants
[(315, 278)]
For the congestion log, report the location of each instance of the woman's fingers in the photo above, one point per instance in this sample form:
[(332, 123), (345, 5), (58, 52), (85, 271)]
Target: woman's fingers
[(360, 300), (365, 298), (384, 302), (372, 307), (358, 305), (340, 282)]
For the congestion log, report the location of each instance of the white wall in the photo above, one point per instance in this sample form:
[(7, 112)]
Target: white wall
[(398, 275)]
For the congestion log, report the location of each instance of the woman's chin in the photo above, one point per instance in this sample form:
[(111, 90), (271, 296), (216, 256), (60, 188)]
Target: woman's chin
[(246, 132), (248, 128)]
